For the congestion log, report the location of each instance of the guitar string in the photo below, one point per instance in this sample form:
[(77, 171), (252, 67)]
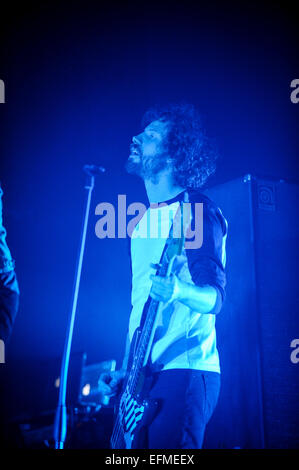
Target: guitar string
[(131, 384), (145, 331), (134, 378)]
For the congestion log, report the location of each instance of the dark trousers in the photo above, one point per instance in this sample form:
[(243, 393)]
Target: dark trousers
[(187, 399)]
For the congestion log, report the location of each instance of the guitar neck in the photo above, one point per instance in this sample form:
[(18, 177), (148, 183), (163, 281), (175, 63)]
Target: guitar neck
[(145, 341)]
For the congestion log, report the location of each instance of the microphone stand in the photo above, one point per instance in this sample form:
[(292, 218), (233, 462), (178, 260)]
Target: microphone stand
[(60, 424)]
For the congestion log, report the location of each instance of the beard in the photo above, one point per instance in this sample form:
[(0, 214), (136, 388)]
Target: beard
[(133, 167), (147, 168)]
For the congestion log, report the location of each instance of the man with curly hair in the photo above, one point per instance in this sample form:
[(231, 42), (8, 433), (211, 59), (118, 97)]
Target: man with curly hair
[(174, 158)]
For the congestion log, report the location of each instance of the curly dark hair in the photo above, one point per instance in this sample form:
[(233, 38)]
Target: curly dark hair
[(193, 153)]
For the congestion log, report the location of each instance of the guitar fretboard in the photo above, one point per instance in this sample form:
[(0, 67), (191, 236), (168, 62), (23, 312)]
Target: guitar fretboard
[(143, 343)]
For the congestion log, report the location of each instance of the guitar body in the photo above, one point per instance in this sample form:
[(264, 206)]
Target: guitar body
[(134, 411)]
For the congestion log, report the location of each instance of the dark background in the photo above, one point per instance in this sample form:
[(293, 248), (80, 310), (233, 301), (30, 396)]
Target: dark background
[(78, 77)]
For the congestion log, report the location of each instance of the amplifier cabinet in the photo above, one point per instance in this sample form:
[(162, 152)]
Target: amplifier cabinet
[(259, 324)]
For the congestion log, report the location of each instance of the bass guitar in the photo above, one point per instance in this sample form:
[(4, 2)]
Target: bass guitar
[(134, 410)]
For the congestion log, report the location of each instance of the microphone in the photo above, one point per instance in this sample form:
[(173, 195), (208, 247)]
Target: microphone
[(93, 170)]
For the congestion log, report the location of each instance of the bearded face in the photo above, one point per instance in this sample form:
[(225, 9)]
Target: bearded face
[(148, 152)]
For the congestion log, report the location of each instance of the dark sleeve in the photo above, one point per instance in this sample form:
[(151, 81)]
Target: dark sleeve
[(207, 263), (9, 302)]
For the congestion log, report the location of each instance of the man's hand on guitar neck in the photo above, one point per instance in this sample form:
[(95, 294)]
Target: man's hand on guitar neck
[(200, 299), (109, 384), (165, 289)]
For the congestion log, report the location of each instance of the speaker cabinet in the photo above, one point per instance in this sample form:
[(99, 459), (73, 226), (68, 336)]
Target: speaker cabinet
[(256, 329)]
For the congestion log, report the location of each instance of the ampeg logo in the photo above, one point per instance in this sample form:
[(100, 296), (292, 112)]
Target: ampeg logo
[(2, 352), (2, 92), (266, 196), (295, 93), (295, 353)]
